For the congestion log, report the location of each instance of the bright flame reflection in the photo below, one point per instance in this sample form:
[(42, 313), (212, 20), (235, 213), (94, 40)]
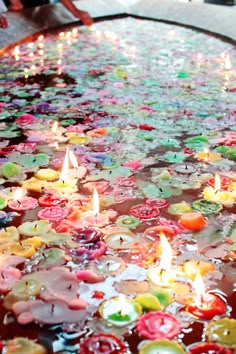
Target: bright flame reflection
[(65, 167), (18, 195), (95, 202), (217, 183), (166, 253)]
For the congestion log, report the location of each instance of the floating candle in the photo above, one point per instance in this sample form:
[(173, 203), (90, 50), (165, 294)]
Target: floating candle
[(121, 240), (108, 265), (205, 305), (192, 268), (179, 208), (8, 277), (148, 302), (34, 228), (120, 311), (158, 325), (21, 203), (46, 174), (52, 213), (102, 343), (24, 345), (192, 221), (209, 348), (222, 331), (206, 207), (3, 203), (51, 312), (219, 182), (207, 156), (128, 221), (161, 347), (144, 211), (10, 169), (215, 194), (186, 168)]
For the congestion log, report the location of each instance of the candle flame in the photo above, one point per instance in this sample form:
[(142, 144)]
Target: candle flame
[(166, 253), (18, 195), (199, 288), (65, 167), (217, 183), (16, 50), (61, 35), (73, 160), (122, 305), (95, 202), (199, 57), (74, 32), (227, 62), (41, 38), (55, 127)]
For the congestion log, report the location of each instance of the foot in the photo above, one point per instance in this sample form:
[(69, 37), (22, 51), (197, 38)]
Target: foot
[(85, 17), (15, 5), (3, 21)]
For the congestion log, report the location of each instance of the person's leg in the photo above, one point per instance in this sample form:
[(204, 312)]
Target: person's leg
[(84, 16)]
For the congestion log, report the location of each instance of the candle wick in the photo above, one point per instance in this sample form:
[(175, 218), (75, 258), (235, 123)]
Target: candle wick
[(3, 276), (52, 308), (26, 283), (5, 229), (162, 321), (161, 190), (186, 167), (44, 255), (18, 202), (110, 172), (161, 273), (20, 244), (34, 160), (175, 155), (121, 240), (216, 191), (69, 287), (96, 218), (35, 226)]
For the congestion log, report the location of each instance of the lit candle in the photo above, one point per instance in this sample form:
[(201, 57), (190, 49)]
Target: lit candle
[(227, 62), (204, 305), (26, 73), (21, 203), (216, 195), (95, 217), (163, 275), (63, 184), (16, 53), (207, 156), (120, 311)]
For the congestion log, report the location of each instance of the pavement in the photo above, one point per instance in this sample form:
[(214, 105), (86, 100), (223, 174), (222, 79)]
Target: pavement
[(217, 19)]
